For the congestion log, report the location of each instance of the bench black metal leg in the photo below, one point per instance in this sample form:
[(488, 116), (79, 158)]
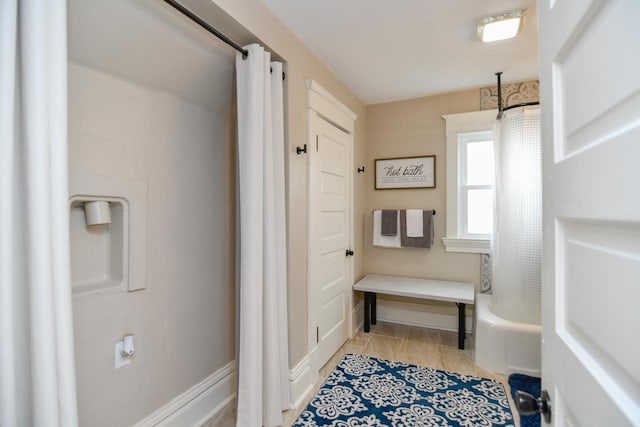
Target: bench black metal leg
[(374, 300), (367, 311), (462, 329)]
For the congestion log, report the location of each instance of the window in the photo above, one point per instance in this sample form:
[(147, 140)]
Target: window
[(475, 182), (470, 178)]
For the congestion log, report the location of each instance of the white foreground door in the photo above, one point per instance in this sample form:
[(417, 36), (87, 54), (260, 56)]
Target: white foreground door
[(590, 93), (329, 236)]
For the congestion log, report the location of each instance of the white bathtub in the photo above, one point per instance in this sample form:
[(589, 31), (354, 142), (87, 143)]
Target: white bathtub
[(504, 346)]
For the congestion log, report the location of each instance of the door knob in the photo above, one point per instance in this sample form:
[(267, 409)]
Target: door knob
[(349, 252), (527, 404)]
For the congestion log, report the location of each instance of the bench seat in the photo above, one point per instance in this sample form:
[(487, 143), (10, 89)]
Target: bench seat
[(461, 293)]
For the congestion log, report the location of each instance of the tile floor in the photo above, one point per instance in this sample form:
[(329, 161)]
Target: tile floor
[(408, 344)]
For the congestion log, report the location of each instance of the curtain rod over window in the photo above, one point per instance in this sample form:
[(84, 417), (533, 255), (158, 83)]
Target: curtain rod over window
[(195, 18)]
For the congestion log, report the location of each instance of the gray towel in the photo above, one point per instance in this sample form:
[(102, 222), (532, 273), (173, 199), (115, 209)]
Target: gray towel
[(389, 223), (427, 231)]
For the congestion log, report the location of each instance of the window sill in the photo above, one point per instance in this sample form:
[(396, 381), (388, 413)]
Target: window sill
[(461, 244)]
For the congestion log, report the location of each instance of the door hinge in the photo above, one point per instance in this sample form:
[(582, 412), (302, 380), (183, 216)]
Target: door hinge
[(316, 143), (317, 334)]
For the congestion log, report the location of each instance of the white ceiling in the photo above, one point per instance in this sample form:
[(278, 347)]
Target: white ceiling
[(387, 50)]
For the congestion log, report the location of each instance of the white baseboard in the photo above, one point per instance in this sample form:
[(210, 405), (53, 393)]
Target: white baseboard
[(304, 375), (198, 404), (423, 315), (301, 380)]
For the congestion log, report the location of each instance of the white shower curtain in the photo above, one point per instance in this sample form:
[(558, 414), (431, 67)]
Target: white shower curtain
[(516, 245), (263, 354), (37, 377)]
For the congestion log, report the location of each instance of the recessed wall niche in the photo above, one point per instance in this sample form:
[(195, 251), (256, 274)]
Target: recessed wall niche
[(99, 252), (107, 232)]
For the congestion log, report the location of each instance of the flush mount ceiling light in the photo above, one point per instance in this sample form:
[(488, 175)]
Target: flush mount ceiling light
[(500, 27)]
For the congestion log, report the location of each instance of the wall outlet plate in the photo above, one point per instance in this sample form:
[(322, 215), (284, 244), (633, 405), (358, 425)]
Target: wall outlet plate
[(121, 360)]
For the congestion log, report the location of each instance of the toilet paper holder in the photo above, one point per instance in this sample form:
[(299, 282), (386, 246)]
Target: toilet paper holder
[(127, 346)]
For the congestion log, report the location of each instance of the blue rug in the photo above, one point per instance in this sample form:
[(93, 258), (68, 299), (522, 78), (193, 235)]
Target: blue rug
[(532, 386), (367, 391)]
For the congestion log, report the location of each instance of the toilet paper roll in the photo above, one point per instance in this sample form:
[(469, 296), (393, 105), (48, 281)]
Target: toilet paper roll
[(97, 212)]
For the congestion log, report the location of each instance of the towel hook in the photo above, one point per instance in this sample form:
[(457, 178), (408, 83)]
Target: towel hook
[(300, 150), (361, 169)]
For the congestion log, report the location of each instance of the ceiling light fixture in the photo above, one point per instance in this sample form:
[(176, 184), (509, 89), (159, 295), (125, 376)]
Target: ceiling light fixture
[(500, 27)]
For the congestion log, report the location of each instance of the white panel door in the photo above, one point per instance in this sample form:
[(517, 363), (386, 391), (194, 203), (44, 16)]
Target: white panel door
[(329, 236), (590, 93)]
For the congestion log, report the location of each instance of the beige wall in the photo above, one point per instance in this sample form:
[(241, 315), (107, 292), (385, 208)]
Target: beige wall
[(411, 128), (301, 65), (150, 99), (183, 321), (164, 118)]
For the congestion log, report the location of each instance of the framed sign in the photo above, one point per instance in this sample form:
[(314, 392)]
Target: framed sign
[(406, 172)]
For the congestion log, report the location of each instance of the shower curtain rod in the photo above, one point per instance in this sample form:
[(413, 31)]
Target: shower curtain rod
[(195, 18), (500, 109)]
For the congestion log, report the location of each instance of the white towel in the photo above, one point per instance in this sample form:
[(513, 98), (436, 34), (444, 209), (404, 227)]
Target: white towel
[(378, 238), (414, 223)]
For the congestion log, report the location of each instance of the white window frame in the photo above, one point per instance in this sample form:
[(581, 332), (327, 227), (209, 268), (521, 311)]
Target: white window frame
[(457, 125), (464, 139)]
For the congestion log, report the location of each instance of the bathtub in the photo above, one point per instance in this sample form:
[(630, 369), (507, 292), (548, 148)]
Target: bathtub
[(504, 346)]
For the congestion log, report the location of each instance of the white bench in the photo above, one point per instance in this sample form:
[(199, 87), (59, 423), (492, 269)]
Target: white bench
[(460, 293)]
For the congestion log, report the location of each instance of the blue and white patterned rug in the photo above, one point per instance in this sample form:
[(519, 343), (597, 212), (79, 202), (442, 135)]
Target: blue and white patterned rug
[(367, 391)]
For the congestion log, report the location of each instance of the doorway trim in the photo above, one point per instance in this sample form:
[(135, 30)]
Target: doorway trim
[(322, 104)]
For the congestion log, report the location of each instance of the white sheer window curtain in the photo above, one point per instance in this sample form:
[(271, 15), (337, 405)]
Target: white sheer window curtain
[(37, 377), (263, 344)]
